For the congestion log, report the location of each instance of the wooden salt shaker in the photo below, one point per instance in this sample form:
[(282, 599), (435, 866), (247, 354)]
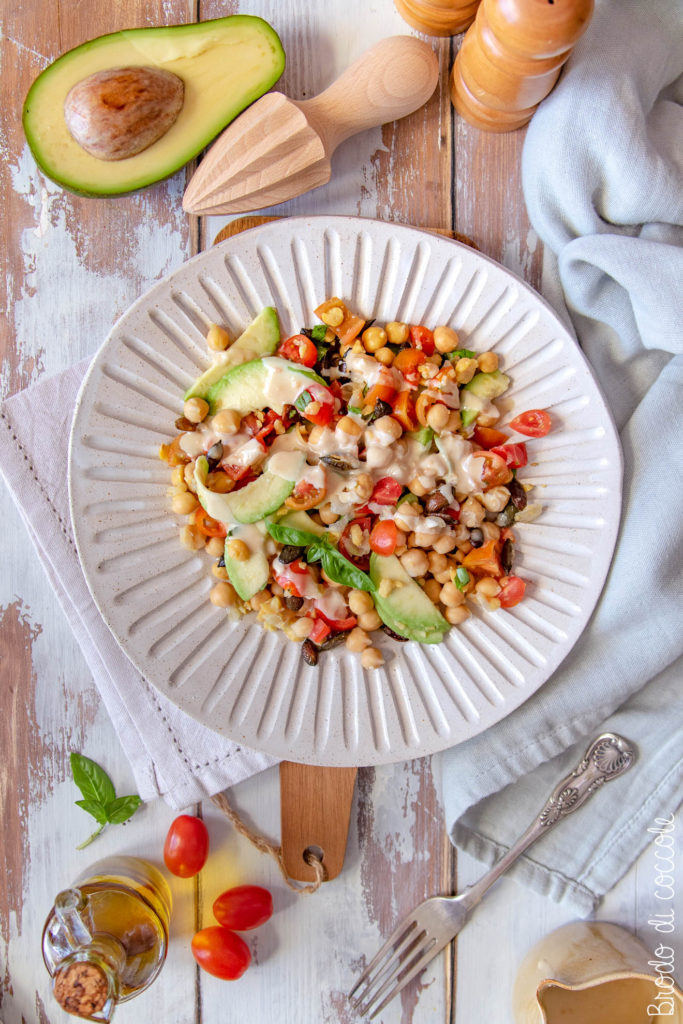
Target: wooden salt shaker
[(438, 17), (511, 58)]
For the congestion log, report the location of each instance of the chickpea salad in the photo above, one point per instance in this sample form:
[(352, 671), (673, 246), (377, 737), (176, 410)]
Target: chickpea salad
[(351, 479)]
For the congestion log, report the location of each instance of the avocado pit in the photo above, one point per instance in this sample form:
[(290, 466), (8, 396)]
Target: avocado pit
[(116, 113)]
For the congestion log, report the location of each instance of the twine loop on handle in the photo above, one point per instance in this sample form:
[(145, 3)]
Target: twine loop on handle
[(264, 845)]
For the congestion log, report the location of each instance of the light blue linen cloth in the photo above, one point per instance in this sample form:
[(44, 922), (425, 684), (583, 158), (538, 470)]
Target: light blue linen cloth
[(603, 181)]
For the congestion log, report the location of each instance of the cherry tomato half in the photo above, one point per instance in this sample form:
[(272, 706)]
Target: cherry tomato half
[(349, 550), (305, 495), (422, 338), (494, 470), (532, 423), (220, 952), (186, 847), (243, 908), (380, 393), (384, 537), (387, 491), (407, 361), (208, 526), (511, 591), (404, 410), (487, 437), (299, 349), (515, 455)]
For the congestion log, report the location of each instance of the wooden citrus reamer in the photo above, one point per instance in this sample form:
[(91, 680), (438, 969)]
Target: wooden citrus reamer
[(279, 148)]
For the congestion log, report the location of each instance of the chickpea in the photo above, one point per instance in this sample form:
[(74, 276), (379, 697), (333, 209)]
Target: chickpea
[(223, 595), (327, 516), (432, 589), (445, 543), (369, 621), (438, 416), (227, 421), (437, 562), (357, 640), (415, 562), (443, 577), (360, 602), (397, 332), (349, 426), (490, 531), (465, 370), (183, 503), (374, 338), (237, 549), (334, 316), (472, 513), (495, 499), (371, 658), (363, 486), (219, 571), (454, 423), (384, 356), (487, 362), (215, 546), (487, 586), (417, 488), (302, 627), (446, 339), (258, 600), (388, 425), (457, 615), (195, 410), (217, 339), (450, 596), (178, 478), (422, 539), (330, 582), (189, 477), (191, 538)]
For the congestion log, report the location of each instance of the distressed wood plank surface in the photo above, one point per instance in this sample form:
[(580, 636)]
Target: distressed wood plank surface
[(72, 266)]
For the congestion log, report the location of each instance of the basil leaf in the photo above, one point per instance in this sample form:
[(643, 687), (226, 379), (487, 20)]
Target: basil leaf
[(93, 781), (95, 809), (290, 535), (122, 809), (303, 399), (461, 577), (341, 570), (315, 550)]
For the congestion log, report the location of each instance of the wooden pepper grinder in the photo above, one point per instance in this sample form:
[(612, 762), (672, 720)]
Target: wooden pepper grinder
[(511, 58), (438, 17)]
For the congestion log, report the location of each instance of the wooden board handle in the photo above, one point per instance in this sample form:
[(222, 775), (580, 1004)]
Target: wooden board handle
[(315, 809), (389, 81)]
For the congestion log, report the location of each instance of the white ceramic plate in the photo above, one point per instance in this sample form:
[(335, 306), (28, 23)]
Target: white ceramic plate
[(251, 685)]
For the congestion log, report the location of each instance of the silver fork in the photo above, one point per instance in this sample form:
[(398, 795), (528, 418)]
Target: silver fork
[(432, 925)]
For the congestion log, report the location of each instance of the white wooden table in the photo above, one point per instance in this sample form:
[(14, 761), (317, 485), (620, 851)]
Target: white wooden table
[(72, 266)]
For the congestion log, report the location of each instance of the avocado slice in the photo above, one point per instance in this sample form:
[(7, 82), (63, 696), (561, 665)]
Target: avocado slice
[(248, 505), (260, 338), (407, 610), (481, 389), (245, 387), (225, 64), (251, 575)]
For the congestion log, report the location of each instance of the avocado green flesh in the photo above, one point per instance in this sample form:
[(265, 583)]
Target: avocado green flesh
[(407, 610), (487, 385), (225, 64), (258, 499), (243, 388), (251, 575), (261, 338)]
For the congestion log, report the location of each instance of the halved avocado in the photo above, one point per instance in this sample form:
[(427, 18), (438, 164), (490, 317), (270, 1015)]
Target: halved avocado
[(225, 64), (407, 610)]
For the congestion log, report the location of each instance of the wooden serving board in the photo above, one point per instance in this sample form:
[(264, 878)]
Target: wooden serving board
[(315, 802)]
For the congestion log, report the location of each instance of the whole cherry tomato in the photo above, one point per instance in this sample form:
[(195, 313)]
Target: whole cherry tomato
[(220, 952), (384, 537), (243, 908), (186, 847), (299, 349), (533, 423)]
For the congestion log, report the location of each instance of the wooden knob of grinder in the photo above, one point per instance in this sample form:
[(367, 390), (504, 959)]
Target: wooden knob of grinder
[(511, 58), (438, 17)]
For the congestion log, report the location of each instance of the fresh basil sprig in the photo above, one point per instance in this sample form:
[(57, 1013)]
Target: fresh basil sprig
[(99, 796), (337, 567), (290, 535)]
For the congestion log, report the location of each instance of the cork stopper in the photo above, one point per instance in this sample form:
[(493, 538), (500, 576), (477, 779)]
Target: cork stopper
[(81, 988)]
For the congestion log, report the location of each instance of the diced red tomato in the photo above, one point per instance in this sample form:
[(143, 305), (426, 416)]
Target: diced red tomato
[(338, 625), (299, 568), (487, 437), (299, 349), (387, 491), (349, 549), (494, 469), (515, 455), (407, 361), (484, 561), (207, 525), (351, 325), (532, 423), (511, 591), (422, 339), (452, 513), (384, 537), (320, 631), (261, 427), (380, 393), (241, 474), (320, 409), (404, 410)]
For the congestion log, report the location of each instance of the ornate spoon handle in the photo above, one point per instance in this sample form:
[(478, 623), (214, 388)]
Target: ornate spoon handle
[(607, 757)]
